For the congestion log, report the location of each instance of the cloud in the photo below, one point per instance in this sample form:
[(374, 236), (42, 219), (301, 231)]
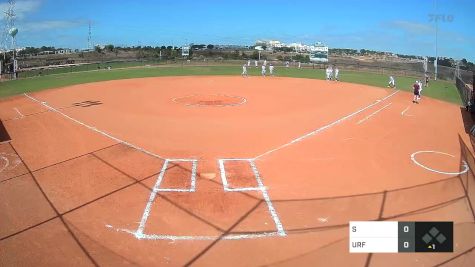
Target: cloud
[(22, 8), (46, 25)]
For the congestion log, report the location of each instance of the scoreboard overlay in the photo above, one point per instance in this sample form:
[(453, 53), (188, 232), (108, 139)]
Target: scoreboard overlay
[(395, 237)]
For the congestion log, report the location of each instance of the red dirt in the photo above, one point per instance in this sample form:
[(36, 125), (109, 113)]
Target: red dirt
[(74, 190)]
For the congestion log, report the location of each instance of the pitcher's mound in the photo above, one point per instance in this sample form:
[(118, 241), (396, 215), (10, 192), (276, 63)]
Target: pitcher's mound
[(210, 100)]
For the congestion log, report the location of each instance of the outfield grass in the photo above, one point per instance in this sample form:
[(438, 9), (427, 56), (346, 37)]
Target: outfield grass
[(438, 89)]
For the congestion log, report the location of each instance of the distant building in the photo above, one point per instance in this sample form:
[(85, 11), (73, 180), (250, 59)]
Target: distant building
[(63, 51), (297, 47)]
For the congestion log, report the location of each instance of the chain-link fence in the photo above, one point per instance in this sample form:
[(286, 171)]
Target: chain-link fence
[(393, 67), (464, 83)]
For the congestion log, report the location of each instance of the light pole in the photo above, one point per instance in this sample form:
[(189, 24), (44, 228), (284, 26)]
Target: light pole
[(13, 32), (436, 40)]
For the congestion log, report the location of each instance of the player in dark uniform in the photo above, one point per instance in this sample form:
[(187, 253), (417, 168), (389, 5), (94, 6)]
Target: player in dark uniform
[(416, 88)]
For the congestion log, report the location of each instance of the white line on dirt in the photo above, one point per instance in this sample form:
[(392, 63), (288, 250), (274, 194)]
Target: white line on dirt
[(328, 126), (372, 114), (199, 237), (151, 199), (95, 129), (5, 164), (19, 113), (403, 113)]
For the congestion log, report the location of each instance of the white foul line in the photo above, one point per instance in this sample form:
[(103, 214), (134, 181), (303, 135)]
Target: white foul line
[(403, 113), (95, 129), (305, 136), (19, 113), (372, 114)]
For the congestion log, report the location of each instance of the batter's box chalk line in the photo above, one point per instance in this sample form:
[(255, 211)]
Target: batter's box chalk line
[(194, 164), (140, 234)]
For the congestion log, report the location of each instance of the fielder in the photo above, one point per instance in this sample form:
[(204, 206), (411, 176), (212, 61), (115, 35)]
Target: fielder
[(263, 70), (329, 73), (392, 82), (244, 70), (265, 62), (299, 65), (337, 72), (255, 63), (416, 88), (248, 63), (271, 69), (420, 89), (427, 79)]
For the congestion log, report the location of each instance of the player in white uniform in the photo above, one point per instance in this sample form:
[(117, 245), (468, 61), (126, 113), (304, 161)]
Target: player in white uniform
[(299, 65), (392, 82), (271, 69), (248, 63), (244, 70), (263, 70), (420, 90), (329, 72), (255, 63), (337, 72), (416, 88), (265, 62)]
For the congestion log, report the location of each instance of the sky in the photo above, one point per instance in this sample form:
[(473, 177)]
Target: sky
[(399, 26)]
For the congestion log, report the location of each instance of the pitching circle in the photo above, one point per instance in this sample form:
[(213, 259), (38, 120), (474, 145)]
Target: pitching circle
[(413, 158), (216, 100)]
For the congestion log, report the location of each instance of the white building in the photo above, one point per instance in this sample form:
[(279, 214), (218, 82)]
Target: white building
[(318, 52)]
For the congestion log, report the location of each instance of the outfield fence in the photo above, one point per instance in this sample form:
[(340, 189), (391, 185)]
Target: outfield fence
[(467, 179), (388, 67), (464, 81)]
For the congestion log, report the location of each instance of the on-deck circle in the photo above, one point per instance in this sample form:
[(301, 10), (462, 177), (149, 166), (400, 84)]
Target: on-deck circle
[(413, 158)]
